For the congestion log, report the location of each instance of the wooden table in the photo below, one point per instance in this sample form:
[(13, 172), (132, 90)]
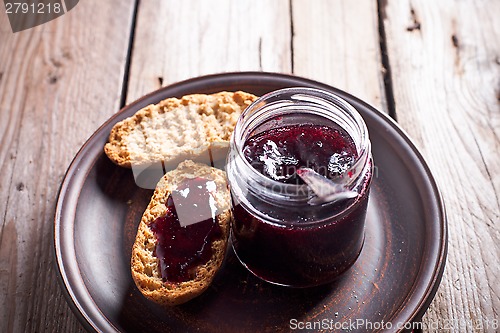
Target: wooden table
[(434, 66)]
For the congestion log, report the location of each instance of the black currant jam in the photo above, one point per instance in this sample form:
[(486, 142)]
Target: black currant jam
[(278, 234), (279, 152), (186, 232)]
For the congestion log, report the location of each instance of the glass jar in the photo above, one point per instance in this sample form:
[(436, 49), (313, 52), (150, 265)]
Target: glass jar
[(277, 233)]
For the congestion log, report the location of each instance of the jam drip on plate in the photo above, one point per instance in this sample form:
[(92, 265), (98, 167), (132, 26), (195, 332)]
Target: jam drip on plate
[(186, 232), (279, 152)]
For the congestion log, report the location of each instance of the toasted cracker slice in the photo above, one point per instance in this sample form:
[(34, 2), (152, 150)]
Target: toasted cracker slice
[(177, 129), (145, 267)]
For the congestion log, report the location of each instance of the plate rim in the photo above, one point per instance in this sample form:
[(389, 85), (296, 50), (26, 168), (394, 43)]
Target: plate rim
[(433, 278)]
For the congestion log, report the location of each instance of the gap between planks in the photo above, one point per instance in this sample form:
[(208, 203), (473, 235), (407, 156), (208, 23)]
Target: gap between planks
[(126, 72)]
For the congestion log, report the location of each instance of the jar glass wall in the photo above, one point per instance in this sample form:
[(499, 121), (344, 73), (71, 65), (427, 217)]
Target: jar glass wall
[(277, 233)]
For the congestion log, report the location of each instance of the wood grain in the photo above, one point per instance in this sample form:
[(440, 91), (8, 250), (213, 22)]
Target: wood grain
[(177, 40), (444, 57), (58, 83), (337, 42)]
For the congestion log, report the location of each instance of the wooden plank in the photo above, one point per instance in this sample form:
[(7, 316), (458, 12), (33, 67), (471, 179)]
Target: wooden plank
[(445, 61), (193, 38), (337, 42), (58, 83)]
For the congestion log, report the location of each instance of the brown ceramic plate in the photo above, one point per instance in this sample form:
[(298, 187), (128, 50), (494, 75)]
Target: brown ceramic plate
[(393, 281)]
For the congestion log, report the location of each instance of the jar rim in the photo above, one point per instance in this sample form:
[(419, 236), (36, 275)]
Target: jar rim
[(308, 95)]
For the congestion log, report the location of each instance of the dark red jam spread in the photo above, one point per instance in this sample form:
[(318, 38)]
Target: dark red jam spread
[(279, 152), (186, 232), (295, 254)]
